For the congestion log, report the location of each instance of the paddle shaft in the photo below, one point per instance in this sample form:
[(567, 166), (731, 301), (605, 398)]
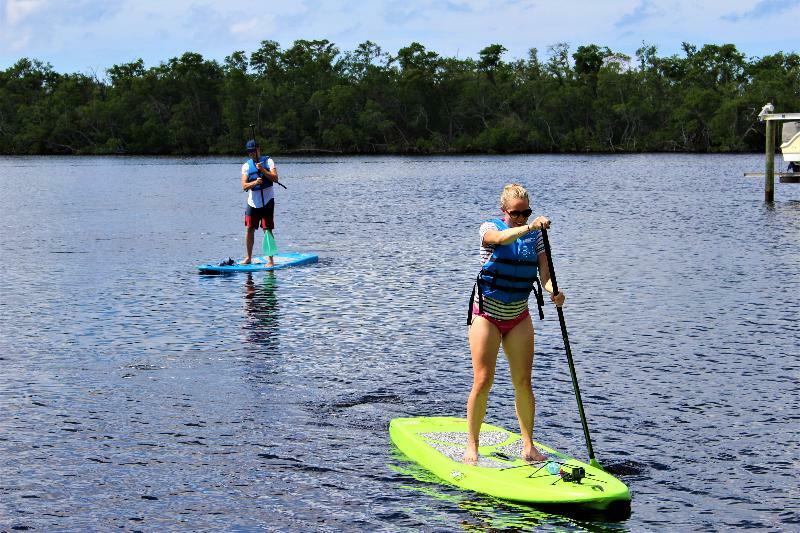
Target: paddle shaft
[(567, 348), (253, 131)]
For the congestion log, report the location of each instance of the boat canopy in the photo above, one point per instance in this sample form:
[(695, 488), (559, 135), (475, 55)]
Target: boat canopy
[(790, 129)]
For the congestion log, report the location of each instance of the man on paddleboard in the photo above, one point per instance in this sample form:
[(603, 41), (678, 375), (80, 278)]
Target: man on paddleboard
[(258, 175), (512, 254)]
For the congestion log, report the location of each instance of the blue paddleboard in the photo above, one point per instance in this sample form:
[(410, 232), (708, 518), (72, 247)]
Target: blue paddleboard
[(282, 260)]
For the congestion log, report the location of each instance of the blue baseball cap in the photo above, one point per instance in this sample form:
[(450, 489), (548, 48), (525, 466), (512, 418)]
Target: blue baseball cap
[(251, 145)]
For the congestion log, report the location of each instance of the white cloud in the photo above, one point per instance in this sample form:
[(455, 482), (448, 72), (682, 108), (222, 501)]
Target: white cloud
[(17, 11), (244, 28), (14, 33), (763, 9)]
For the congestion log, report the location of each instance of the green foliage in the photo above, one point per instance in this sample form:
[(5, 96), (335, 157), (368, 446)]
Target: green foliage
[(311, 96)]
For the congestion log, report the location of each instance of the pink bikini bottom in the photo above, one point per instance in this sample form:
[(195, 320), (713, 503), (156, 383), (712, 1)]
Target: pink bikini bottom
[(503, 325)]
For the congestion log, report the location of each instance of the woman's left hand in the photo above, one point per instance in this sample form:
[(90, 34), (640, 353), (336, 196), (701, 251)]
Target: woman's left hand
[(558, 298), (539, 222)]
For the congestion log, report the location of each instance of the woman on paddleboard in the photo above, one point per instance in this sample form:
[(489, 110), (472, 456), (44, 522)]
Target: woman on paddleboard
[(512, 254)]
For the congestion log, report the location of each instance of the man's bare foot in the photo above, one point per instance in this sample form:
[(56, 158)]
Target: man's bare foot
[(245, 261), (471, 455), (533, 455)]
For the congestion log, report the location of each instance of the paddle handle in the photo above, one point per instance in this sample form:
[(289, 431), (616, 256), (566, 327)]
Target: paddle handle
[(567, 348), (549, 254)]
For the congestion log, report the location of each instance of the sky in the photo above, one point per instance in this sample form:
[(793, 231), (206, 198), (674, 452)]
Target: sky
[(89, 36)]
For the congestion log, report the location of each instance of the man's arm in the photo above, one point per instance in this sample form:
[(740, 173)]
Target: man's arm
[(247, 185), (270, 174)]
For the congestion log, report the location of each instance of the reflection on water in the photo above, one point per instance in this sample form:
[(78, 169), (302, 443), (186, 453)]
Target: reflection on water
[(261, 306)]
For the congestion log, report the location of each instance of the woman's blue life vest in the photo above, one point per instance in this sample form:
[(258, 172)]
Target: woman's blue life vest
[(253, 175), (510, 274)]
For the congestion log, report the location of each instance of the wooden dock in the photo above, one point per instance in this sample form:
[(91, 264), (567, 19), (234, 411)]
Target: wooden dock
[(772, 120)]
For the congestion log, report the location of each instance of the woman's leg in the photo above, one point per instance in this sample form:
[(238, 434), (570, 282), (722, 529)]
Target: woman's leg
[(518, 346), (484, 343)]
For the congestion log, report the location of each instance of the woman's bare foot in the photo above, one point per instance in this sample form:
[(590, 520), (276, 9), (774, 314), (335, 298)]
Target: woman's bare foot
[(533, 455), (471, 455)]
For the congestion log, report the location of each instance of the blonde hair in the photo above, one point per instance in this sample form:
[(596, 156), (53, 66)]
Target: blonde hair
[(512, 191)]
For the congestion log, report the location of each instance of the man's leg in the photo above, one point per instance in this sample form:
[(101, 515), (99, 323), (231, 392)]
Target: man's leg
[(251, 223)]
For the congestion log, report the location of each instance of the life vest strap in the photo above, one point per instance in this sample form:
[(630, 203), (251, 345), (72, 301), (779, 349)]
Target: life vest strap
[(528, 287), (519, 262), (536, 288), (518, 290), (475, 288), (509, 277), (539, 298)]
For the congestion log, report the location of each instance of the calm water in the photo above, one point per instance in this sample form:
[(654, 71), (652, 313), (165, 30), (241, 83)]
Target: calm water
[(137, 394)]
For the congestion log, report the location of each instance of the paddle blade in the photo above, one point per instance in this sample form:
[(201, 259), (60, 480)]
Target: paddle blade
[(268, 245), (595, 464)]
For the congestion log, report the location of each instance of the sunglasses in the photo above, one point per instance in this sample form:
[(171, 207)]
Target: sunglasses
[(526, 213)]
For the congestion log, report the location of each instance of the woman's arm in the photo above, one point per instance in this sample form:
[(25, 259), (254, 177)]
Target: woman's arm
[(544, 277), (510, 235)]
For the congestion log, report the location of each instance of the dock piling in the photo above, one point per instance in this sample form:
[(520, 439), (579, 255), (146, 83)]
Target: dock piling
[(769, 171), (771, 120)]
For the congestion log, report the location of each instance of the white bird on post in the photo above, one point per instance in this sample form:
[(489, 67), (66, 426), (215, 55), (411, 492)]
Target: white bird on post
[(766, 110)]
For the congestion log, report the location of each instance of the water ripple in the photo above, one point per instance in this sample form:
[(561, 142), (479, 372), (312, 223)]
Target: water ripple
[(139, 395)]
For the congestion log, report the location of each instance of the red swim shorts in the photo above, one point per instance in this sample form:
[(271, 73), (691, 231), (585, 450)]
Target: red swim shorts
[(263, 215)]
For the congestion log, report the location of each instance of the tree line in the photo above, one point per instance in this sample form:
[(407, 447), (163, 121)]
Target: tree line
[(313, 97)]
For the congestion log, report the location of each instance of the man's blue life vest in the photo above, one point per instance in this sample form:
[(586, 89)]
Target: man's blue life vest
[(252, 173), (511, 273)]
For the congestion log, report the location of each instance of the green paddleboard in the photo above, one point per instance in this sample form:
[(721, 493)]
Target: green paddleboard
[(438, 444)]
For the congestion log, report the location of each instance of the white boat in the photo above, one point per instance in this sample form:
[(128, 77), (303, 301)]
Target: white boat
[(790, 145)]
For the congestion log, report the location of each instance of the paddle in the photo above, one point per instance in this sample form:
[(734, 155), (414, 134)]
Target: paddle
[(253, 131), (268, 245), (592, 460)]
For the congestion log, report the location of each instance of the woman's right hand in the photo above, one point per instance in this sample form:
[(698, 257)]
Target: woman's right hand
[(558, 298)]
